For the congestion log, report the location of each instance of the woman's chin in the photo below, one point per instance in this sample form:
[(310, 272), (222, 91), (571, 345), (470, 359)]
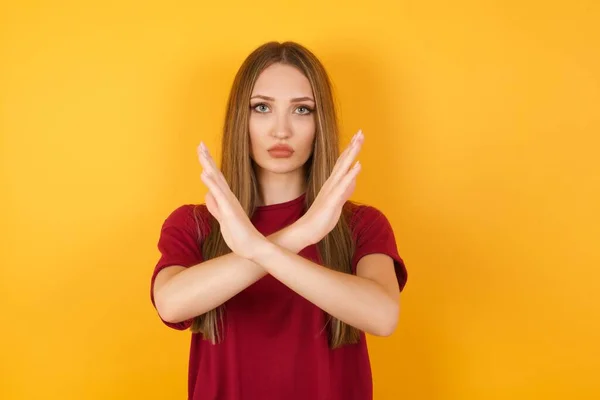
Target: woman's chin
[(280, 166)]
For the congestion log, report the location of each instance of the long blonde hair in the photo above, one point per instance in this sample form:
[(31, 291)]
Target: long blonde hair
[(336, 248)]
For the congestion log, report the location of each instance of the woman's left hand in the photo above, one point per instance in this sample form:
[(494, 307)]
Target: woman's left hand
[(237, 230)]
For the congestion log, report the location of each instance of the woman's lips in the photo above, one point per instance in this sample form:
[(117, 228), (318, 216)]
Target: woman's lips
[(281, 151)]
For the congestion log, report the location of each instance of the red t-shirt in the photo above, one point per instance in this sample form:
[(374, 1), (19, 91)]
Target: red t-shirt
[(274, 345)]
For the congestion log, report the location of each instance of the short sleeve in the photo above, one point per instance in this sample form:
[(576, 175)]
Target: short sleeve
[(179, 244), (373, 233)]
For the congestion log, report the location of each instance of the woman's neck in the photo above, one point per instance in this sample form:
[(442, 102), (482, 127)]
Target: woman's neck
[(278, 188)]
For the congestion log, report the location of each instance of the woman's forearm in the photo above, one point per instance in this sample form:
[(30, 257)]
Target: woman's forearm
[(183, 293), (360, 302)]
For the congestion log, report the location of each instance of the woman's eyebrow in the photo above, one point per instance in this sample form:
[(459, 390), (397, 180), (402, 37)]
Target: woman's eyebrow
[(294, 100)]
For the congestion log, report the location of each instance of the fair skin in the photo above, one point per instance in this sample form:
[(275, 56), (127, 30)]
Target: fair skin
[(281, 106), (367, 300)]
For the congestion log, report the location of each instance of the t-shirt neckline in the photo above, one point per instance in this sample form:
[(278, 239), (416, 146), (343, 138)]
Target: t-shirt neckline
[(285, 204)]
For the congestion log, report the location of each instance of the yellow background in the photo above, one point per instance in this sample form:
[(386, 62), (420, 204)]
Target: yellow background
[(482, 135)]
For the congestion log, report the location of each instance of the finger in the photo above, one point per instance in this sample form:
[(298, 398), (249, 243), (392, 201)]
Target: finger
[(218, 195), (348, 192), (346, 162), (206, 160), (208, 163), (203, 150), (338, 161), (349, 151), (347, 184), (345, 152), (211, 205)]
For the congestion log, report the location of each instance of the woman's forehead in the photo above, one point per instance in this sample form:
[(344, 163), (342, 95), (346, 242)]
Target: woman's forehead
[(282, 82)]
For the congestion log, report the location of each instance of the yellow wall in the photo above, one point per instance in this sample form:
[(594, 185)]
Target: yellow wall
[(482, 126)]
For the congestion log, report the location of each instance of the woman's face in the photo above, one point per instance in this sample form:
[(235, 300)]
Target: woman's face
[(282, 119)]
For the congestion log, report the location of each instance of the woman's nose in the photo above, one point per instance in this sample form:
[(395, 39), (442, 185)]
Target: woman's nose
[(282, 130)]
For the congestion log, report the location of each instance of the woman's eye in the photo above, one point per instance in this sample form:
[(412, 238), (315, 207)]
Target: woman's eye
[(261, 108), (304, 110)]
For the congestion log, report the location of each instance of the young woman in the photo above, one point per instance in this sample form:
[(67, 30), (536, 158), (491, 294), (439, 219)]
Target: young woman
[(278, 275)]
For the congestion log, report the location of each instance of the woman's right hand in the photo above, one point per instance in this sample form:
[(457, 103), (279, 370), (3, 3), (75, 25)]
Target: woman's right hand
[(324, 213)]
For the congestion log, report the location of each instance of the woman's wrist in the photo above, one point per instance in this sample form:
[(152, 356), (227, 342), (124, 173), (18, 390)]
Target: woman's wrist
[(261, 250), (302, 229)]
